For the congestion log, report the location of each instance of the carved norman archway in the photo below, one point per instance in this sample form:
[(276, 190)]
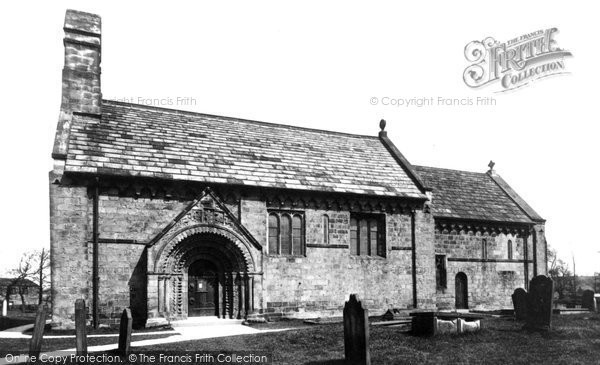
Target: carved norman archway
[(205, 236), (212, 247)]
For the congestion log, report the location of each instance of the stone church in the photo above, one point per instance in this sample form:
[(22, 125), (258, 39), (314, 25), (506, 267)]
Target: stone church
[(177, 214)]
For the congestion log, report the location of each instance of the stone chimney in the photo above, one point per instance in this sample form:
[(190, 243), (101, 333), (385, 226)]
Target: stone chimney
[(81, 93)]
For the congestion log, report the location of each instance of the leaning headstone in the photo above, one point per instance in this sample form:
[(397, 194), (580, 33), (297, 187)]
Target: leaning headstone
[(443, 326), (356, 332), (35, 346), (519, 299), (463, 326), (539, 303), (588, 301), (80, 327), (125, 332), (4, 308)]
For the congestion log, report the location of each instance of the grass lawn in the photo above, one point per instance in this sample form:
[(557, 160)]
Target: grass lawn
[(574, 340)]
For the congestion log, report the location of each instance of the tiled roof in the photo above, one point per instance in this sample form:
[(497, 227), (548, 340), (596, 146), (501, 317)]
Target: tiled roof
[(4, 282), (136, 140), (470, 196)]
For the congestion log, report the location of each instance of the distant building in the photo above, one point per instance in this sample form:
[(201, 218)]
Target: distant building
[(22, 289), (177, 214), (573, 286)]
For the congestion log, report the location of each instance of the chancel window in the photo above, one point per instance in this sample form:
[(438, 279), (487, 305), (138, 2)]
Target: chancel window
[(510, 249), (325, 229), (440, 272), (367, 235), (484, 249), (286, 233)]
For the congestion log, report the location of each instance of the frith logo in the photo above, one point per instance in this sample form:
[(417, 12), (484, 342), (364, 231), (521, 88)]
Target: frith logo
[(514, 63)]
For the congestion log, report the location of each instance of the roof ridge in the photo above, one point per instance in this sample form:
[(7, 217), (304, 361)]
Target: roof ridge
[(447, 169), (271, 124)]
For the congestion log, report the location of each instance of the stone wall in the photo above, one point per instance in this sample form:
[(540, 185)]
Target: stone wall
[(315, 284), (542, 259), (320, 282), (122, 266), (122, 277), (490, 284), (70, 251), (425, 259), (492, 280), (138, 219)]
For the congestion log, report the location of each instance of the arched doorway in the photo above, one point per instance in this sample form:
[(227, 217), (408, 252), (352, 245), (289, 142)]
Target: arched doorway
[(205, 273), (461, 291)]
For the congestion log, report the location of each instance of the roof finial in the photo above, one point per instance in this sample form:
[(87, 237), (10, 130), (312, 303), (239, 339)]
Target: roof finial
[(491, 165), (382, 124)]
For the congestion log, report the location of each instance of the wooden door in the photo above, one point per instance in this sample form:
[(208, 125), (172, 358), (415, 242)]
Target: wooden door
[(462, 291), (201, 296)]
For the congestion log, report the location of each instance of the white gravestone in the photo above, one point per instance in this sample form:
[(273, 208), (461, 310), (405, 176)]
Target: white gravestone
[(465, 326), (445, 326)]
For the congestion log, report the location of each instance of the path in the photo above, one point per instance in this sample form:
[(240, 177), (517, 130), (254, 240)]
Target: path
[(196, 328)]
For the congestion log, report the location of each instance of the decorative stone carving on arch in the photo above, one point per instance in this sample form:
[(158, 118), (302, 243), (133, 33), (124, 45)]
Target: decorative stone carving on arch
[(205, 230), (231, 261), (169, 256), (205, 215)]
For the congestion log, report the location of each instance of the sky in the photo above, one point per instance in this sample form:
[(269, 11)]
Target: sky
[(337, 66)]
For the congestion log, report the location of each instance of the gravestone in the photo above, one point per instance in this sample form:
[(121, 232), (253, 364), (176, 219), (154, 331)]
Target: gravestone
[(463, 326), (4, 308), (588, 301), (539, 303), (444, 326), (356, 332), (80, 327), (424, 324), (125, 332), (519, 299), (35, 346), (392, 314)]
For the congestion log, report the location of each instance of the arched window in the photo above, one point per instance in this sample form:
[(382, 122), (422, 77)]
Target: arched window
[(297, 235), (510, 250), (273, 234), (484, 249), (286, 233), (440, 272), (325, 229)]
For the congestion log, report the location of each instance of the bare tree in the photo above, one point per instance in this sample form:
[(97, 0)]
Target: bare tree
[(43, 272), (34, 266), (559, 272), (25, 270)]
